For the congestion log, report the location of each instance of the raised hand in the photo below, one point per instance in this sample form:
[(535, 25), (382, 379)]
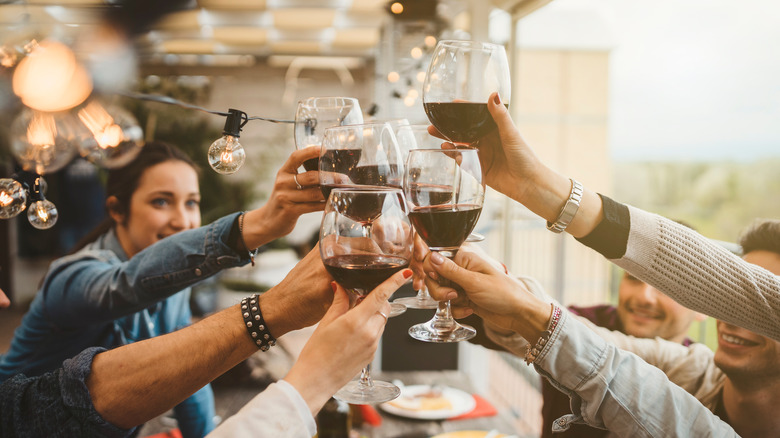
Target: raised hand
[(301, 298), (287, 202), (343, 343), (498, 298)]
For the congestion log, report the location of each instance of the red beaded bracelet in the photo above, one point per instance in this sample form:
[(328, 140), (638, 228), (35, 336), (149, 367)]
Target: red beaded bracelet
[(533, 353)]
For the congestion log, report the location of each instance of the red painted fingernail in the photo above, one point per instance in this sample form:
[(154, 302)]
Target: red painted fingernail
[(497, 99), (407, 273), (333, 286)]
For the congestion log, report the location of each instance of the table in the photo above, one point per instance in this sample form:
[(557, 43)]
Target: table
[(398, 427)]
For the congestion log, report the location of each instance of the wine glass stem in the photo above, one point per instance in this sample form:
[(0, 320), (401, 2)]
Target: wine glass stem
[(365, 377), (442, 320), (423, 294)]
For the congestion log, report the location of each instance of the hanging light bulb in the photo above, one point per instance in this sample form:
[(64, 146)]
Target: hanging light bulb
[(44, 142), (13, 198), (115, 139), (42, 213), (51, 79), (226, 155)]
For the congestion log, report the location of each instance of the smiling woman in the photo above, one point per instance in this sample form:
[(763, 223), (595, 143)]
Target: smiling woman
[(131, 278)]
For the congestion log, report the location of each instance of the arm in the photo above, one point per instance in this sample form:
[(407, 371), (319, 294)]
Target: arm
[(344, 342), (711, 280), (602, 380), (125, 381), (96, 285), (279, 215)]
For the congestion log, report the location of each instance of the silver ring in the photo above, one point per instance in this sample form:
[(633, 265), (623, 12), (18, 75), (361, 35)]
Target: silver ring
[(295, 178), (383, 315)]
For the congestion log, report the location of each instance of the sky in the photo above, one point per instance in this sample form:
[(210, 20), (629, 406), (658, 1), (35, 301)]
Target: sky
[(689, 79)]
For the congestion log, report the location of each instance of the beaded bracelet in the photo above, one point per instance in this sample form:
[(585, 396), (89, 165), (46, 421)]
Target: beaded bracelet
[(255, 324), (532, 353), (252, 252)]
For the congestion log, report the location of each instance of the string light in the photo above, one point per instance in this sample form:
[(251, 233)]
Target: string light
[(51, 79), (226, 155), (13, 198), (27, 188), (116, 137), (44, 142)]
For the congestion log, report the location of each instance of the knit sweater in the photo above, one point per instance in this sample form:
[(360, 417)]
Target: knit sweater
[(686, 266)]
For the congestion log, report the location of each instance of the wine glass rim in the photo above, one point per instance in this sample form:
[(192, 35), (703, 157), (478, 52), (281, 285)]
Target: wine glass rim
[(329, 102), (469, 44), (358, 125), (430, 150), (316, 98), (366, 189)]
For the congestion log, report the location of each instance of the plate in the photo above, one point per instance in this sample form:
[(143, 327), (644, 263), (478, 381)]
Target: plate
[(468, 434), (413, 403)]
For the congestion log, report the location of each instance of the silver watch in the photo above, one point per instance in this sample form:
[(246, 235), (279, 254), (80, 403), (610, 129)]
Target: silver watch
[(569, 209)]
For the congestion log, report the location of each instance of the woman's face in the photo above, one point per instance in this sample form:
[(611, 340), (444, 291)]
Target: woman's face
[(166, 201)]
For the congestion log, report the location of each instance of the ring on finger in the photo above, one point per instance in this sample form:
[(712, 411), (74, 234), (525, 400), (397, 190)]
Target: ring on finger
[(382, 314), (295, 178)]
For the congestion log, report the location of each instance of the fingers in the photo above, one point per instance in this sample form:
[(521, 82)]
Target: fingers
[(500, 113), (297, 158), (466, 278), (435, 132), (339, 306), (307, 179), (379, 296)]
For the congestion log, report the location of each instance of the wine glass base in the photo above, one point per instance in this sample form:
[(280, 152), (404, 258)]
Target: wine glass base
[(475, 237), (357, 394), (417, 303), (424, 332), (396, 309)]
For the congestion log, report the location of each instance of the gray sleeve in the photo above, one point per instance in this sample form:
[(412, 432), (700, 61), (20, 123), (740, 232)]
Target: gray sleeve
[(701, 275)]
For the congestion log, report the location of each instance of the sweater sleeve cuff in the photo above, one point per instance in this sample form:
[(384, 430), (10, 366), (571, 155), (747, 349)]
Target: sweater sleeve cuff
[(610, 236), (300, 405)]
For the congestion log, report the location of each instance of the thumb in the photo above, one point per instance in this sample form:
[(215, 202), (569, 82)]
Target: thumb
[(500, 115), (339, 306), (467, 278)]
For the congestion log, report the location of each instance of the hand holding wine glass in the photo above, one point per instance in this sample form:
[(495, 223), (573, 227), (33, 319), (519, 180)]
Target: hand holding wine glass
[(445, 191), (461, 77), (359, 260)]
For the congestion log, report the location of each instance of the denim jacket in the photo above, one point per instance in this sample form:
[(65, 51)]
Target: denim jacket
[(55, 404), (97, 297)]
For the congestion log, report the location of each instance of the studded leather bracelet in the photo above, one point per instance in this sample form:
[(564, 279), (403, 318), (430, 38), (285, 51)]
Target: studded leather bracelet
[(255, 324)]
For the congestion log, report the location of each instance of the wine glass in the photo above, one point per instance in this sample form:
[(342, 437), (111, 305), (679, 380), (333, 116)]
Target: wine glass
[(461, 76), (411, 137), (314, 114), (364, 155), (360, 261), (445, 192)]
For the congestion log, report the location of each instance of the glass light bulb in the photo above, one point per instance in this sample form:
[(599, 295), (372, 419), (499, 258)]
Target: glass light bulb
[(115, 138), (42, 214), (13, 198), (50, 78), (226, 155), (44, 142)]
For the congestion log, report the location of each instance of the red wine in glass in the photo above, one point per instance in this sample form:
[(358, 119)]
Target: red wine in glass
[(461, 122), (430, 194), (445, 226), (362, 273), (376, 175), (312, 164)]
